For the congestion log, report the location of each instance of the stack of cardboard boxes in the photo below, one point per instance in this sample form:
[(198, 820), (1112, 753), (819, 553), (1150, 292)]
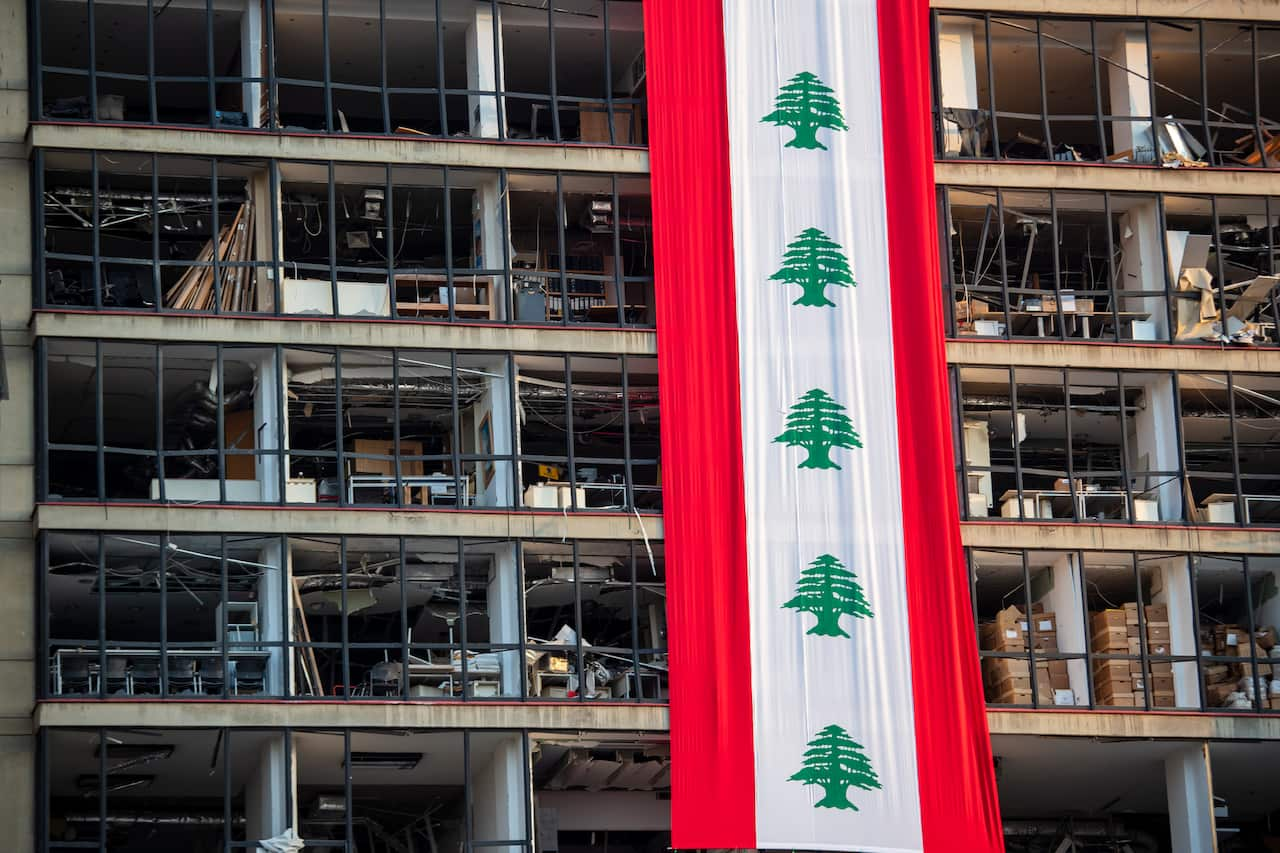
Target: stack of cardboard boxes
[(1008, 680), (1233, 685), (1121, 683)]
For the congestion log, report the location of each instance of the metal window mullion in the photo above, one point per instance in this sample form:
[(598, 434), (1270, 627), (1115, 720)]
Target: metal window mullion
[(388, 212), (154, 109), (1186, 498), (1016, 445), (1151, 95), (1112, 274), (619, 276), (156, 286), (346, 790), (1253, 647), (42, 616), (455, 424), (212, 91), (1097, 103), (346, 618), (448, 246), (579, 658), (226, 735), (997, 154), (41, 417), (468, 794), (339, 449), (328, 97), (1204, 94), (385, 97), (1170, 310), (569, 434), (1193, 569), (508, 288), (526, 773), (560, 244), (273, 94), (92, 21), (957, 401), (220, 440), (164, 613), (1220, 284), (404, 615), (102, 619), (513, 425), (1044, 105), (1030, 632), (635, 623), (1077, 507), (1078, 555), (158, 389), (499, 71), (281, 383), (396, 436), (216, 255), (276, 267), (99, 423), (97, 230), (1144, 656), (103, 746), (1125, 474), (935, 81), (608, 99), (462, 616), (1004, 264), (522, 616), (554, 92), (1242, 505), (222, 629), (1257, 98), (628, 477), (332, 224), (1057, 273), (440, 96)]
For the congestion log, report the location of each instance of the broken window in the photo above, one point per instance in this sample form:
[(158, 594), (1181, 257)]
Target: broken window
[(1238, 610), (1178, 93)]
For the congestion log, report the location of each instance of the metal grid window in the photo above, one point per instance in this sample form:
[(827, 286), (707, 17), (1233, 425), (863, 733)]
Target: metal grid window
[(1104, 90), (122, 231), (189, 616), (572, 72), (225, 788), (349, 427), (1099, 446), (1081, 265), (1146, 631)]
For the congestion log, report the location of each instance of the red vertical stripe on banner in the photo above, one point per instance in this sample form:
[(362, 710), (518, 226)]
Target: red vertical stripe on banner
[(958, 804), (712, 760)]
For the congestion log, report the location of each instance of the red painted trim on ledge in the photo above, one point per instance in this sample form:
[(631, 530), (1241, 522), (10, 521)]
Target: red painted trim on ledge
[(713, 796), (1076, 342), (1063, 522)]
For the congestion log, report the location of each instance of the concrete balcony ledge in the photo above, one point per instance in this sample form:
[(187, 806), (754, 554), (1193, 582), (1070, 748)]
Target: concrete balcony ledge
[(167, 713), (1142, 725), (1158, 538), (320, 521)]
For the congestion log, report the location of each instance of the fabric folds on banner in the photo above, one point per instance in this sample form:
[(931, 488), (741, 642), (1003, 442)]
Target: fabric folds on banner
[(825, 689)]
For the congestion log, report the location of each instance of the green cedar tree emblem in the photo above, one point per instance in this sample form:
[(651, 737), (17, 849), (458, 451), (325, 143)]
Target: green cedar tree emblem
[(836, 762), (818, 423), (828, 590), (813, 260), (806, 104)]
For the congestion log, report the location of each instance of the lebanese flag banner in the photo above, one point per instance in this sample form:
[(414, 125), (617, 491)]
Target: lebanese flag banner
[(825, 692)]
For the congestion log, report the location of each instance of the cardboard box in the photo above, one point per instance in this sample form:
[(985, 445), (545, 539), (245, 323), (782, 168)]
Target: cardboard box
[(995, 670), (1158, 633), (1163, 699), (1157, 613), (1216, 694), (1002, 638), (1216, 673), (1110, 641), (1161, 667), (1103, 619)]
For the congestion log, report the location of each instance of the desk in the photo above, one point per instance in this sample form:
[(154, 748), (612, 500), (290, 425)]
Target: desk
[(609, 313), (1019, 320), (429, 295), (1056, 504), (1221, 508), (615, 493), (94, 659), (431, 485)]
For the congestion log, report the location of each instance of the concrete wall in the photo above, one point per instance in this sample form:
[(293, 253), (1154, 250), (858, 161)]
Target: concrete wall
[(17, 444)]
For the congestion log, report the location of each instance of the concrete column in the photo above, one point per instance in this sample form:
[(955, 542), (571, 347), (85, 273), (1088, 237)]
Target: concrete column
[(271, 598), (496, 403), (1067, 602), (1130, 87), (1189, 788), (266, 797), (505, 600), (1153, 441), (490, 223), (499, 793), (484, 70), (266, 419), (1175, 591), (1142, 264), (17, 442), (958, 71), (251, 64)]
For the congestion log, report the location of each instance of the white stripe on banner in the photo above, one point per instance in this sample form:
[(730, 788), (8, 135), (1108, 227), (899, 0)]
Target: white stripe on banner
[(833, 716)]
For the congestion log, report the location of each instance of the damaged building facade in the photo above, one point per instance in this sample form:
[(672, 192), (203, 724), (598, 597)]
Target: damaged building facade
[(329, 425)]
